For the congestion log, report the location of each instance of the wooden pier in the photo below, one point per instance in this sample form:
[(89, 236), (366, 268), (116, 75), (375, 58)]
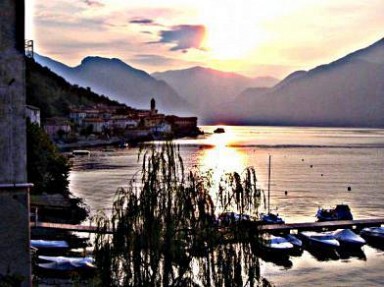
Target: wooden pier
[(318, 226), (255, 227)]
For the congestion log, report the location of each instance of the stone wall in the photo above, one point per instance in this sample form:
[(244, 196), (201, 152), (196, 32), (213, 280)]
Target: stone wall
[(14, 205)]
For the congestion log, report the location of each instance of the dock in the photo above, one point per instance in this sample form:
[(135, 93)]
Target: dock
[(317, 226), (254, 227)]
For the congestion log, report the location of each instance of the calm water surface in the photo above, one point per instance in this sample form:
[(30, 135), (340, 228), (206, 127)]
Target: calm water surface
[(315, 166)]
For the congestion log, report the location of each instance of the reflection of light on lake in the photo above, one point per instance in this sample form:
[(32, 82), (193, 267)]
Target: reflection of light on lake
[(220, 158)]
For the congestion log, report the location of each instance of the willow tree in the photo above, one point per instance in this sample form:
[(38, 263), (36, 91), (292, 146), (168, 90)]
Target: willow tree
[(165, 232)]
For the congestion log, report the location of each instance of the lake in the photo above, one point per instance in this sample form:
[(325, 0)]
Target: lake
[(310, 167)]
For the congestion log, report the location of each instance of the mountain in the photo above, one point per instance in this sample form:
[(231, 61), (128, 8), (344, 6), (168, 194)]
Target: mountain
[(206, 88), (120, 82), (53, 95), (346, 92)]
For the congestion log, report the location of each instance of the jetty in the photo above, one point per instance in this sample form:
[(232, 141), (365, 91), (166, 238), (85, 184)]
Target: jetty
[(254, 227)]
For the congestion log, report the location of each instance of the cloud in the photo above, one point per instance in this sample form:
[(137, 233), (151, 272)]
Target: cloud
[(184, 37), (142, 21), (93, 3), (154, 60)]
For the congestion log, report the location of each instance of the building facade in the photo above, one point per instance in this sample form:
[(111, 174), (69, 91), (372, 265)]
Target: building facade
[(14, 190)]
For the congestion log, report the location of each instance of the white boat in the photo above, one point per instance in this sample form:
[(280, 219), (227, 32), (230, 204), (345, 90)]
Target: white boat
[(320, 239), (58, 266), (275, 244), (59, 259), (373, 234), (48, 244), (347, 238)]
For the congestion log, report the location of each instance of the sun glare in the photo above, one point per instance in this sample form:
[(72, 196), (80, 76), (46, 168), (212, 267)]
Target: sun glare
[(233, 29)]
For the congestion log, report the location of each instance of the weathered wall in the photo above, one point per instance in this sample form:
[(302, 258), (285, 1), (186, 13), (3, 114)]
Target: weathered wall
[(14, 205)]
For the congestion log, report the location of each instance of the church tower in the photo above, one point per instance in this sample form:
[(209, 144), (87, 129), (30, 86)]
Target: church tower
[(14, 189)]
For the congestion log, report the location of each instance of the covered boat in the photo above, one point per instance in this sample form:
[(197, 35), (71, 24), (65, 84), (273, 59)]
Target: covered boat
[(320, 239), (48, 244), (347, 238), (271, 218), (296, 242), (375, 234), (340, 212), (274, 244)]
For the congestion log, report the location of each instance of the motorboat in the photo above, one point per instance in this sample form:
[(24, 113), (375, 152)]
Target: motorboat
[(375, 234), (320, 239), (340, 212), (347, 238), (48, 244), (274, 244)]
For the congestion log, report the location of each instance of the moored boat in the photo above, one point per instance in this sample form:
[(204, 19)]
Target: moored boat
[(347, 238), (340, 212), (296, 242), (81, 152), (49, 244), (271, 218), (373, 234), (320, 239), (274, 244)]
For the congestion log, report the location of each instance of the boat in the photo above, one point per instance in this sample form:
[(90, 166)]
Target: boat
[(75, 260), (320, 239), (270, 217), (219, 131), (347, 238), (274, 244), (340, 212), (81, 152), (296, 242), (373, 234), (49, 244), (230, 218)]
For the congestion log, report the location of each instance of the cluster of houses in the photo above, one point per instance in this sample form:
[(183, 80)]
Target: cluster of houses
[(102, 121)]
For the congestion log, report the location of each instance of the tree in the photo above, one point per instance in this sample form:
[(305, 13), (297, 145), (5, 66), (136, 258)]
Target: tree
[(48, 170)]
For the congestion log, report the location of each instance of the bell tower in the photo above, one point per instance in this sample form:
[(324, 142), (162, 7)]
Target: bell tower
[(14, 189)]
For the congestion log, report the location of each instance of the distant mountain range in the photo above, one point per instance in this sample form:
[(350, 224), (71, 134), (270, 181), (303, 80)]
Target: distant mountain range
[(206, 89), (347, 92), (121, 82)]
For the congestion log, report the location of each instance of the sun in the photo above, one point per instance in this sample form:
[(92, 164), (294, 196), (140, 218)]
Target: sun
[(233, 29)]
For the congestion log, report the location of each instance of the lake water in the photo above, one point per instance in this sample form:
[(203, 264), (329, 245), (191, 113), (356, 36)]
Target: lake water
[(311, 167)]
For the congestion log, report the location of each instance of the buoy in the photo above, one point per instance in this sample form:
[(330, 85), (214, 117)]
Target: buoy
[(286, 192), (311, 165), (349, 188)]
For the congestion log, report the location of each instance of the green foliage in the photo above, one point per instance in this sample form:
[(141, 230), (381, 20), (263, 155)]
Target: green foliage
[(53, 95), (47, 169), (165, 233)]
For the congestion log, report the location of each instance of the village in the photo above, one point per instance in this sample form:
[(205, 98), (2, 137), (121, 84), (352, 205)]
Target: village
[(106, 124)]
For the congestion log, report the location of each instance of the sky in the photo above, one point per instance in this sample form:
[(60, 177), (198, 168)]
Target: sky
[(249, 37)]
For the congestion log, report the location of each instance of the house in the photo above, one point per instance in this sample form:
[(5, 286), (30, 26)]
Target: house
[(33, 114), (98, 125), (54, 126)]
